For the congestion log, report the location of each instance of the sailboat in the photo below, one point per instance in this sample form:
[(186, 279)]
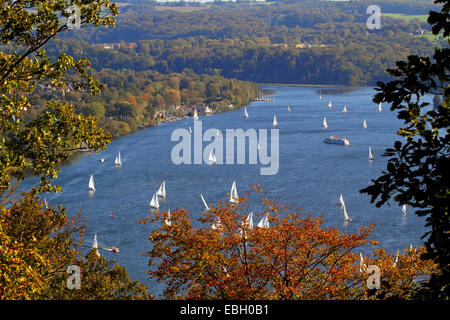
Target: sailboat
[(396, 258), (275, 122), (346, 217), (218, 133), (320, 95), (345, 109), (91, 183), (249, 221), (371, 157), (212, 157), (245, 113), (167, 221), (361, 262), (195, 116), (404, 209), (95, 245), (162, 189), (154, 202), (325, 124), (289, 109), (264, 223), (204, 202), (118, 161), (380, 108), (190, 130), (330, 104), (258, 147), (342, 203), (364, 124), (45, 204), (217, 224), (234, 194)]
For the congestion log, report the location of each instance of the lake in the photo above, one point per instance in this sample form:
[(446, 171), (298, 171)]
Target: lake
[(311, 174)]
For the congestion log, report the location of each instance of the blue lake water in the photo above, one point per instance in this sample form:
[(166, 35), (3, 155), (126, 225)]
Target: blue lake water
[(311, 174)]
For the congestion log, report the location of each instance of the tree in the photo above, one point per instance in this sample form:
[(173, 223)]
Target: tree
[(296, 257), (95, 109), (57, 130), (417, 173), (38, 243)]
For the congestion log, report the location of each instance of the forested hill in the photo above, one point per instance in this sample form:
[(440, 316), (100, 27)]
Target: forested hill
[(300, 42)]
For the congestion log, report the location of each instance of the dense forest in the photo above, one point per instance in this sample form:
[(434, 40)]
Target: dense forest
[(163, 60), (315, 42), (160, 64)]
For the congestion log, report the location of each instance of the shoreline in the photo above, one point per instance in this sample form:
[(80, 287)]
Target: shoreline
[(308, 85)]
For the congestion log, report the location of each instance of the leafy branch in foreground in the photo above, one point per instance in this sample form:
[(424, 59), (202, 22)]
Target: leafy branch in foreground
[(295, 257), (417, 171), (25, 27)]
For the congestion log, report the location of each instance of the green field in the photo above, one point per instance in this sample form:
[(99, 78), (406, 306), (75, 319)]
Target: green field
[(407, 17)]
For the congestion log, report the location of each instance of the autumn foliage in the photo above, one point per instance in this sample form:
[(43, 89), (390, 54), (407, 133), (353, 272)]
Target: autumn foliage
[(297, 257), (38, 243)]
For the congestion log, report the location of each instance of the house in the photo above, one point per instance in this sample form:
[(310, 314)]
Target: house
[(208, 110), (47, 88)]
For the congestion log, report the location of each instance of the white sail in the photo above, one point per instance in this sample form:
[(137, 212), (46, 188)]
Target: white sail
[(361, 262), (190, 130), (371, 157), (95, 245), (264, 223), (325, 124), (45, 204), (342, 204), (330, 104), (380, 108), (204, 202), (404, 209), (345, 109), (154, 202), (167, 220), (249, 221), (275, 122), (289, 109), (341, 201), (162, 189), (217, 224), (346, 217), (212, 157), (118, 161), (396, 258), (195, 117), (364, 124), (245, 113), (320, 95), (258, 147), (234, 194), (91, 183)]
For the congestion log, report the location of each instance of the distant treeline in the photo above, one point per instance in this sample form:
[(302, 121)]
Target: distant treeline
[(349, 63), (306, 42)]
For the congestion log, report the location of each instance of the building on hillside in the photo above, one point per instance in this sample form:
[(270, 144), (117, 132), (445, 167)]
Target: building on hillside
[(208, 110)]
